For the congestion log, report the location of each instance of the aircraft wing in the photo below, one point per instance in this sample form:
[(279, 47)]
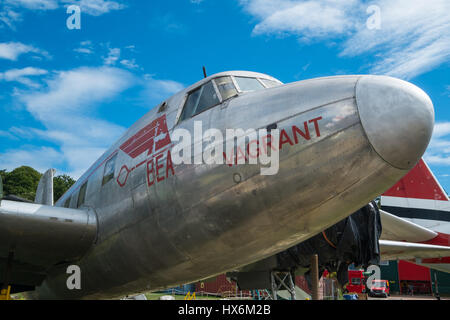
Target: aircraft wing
[(401, 239), (398, 229), (393, 250), (35, 237)]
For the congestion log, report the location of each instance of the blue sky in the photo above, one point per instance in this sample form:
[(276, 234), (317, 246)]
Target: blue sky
[(66, 95)]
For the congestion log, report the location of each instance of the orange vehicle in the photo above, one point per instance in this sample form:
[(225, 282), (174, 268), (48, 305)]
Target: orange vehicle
[(379, 288)]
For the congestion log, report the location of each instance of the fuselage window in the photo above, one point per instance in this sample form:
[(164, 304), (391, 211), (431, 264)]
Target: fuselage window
[(248, 84), (199, 100), (82, 195), (110, 167), (226, 87)]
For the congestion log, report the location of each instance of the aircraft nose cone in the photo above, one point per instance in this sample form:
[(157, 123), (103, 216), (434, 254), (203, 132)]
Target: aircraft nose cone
[(398, 118)]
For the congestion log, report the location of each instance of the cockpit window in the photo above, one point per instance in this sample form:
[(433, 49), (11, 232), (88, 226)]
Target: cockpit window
[(208, 98), (200, 100), (270, 83), (226, 87), (191, 103), (248, 84)]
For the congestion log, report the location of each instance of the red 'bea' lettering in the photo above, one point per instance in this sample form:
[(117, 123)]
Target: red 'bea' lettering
[(155, 166), (158, 167), (150, 178), (169, 165)]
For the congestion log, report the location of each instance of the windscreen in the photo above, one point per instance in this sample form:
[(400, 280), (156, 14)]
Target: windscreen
[(270, 83), (226, 87), (248, 84)]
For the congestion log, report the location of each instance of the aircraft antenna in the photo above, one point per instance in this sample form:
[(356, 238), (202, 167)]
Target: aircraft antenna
[(204, 72)]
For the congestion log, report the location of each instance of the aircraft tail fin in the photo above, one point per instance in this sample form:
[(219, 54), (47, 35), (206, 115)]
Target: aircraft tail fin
[(419, 183), (44, 192), (418, 195)]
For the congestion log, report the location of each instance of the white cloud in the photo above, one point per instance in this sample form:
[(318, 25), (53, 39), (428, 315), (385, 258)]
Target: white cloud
[(96, 7), (130, 64), (84, 50), (158, 90), (438, 152), (91, 7), (9, 17), (39, 158), (33, 4), (414, 36), (66, 108), (12, 50), (77, 90), (441, 129), (307, 19), (66, 105), (6, 134), (21, 75), (10, 13), (113, 56)]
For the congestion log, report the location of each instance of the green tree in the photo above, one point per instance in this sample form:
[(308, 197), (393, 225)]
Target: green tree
[(22, 182), (61, 184), (3, 174)]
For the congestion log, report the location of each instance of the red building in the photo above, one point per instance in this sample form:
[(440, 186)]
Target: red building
[(413, 278)]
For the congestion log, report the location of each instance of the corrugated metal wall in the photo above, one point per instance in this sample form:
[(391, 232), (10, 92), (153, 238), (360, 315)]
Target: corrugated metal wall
[(219, 285)]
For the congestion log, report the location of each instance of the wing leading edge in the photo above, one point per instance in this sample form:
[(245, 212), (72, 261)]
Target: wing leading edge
[(397, 250)]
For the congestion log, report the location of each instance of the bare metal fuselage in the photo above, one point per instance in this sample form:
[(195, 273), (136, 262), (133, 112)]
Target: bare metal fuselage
[(202, 220)]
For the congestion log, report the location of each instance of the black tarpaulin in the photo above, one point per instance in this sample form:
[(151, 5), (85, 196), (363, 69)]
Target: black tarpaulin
[(352, 240)]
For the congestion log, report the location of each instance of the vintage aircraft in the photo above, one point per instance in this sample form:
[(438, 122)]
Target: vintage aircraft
[(136, 222)]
